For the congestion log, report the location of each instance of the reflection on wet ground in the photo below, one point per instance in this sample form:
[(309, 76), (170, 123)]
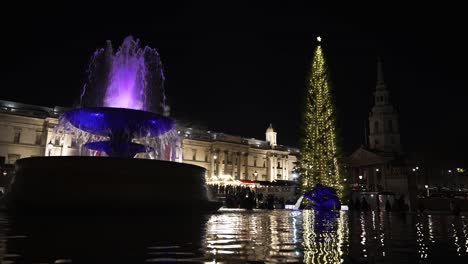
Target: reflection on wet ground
[(235, 236)]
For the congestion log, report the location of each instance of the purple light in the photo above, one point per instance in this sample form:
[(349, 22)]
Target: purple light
[(127, 77), (102, 121), (131, 78)]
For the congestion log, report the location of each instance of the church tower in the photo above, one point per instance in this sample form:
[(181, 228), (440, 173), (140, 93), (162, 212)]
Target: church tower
[(271, 136), (384, 134)]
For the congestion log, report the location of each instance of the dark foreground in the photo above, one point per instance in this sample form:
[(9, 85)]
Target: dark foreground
[(235, 236)]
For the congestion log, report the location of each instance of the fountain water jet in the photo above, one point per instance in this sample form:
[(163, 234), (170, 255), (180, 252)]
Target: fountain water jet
[(122, 114)]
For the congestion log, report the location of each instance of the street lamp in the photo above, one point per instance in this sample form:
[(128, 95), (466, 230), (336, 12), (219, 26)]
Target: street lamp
[(427, 190), (255, 174), (50, 146), (360, 177)]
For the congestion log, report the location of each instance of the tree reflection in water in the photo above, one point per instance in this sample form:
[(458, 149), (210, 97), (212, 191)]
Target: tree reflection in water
[(236, 236)]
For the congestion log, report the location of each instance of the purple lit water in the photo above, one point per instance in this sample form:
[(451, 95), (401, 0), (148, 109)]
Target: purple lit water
[(123, 108), (132, 78)]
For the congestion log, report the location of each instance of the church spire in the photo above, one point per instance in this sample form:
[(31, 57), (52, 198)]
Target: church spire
[(380, 79), (384, 132)]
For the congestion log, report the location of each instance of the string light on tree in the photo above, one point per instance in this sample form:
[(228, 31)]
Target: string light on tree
[(319, 150)]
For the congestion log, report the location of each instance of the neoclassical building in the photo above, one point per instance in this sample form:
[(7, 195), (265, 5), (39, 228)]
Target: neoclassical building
[(241, 158), (28, 131), (25, 130)]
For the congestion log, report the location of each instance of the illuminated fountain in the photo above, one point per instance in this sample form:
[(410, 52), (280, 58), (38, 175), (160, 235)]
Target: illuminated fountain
[(123, 113)]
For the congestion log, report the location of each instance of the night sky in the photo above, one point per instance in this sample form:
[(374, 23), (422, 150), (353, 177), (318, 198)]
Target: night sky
[(235, 68)]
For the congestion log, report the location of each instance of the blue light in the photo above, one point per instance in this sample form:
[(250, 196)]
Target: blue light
[(120, 125), (323, 198)]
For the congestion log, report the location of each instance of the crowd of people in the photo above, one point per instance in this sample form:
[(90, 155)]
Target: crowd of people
[(240, 196), (363, 205)]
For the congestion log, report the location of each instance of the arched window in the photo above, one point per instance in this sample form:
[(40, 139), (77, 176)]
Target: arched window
[(376, 127)]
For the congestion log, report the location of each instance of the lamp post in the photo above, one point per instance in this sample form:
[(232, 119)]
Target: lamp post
[(360, 182), (50, 146), (255, 175), (427, 190)]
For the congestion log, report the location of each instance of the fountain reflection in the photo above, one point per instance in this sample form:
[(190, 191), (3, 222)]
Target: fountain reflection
[(101, 239)]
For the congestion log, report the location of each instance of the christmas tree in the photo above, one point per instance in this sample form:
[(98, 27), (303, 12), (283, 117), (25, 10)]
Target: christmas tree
[(319, 152)]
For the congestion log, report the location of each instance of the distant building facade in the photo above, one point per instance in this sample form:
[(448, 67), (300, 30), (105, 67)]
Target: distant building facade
[(28, 131), (241, 158), (380, 166)]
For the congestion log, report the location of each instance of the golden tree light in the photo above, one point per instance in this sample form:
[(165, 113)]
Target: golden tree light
[(319, 151)]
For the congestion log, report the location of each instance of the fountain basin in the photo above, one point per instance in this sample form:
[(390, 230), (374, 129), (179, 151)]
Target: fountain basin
[(104, 121), (75, 182), (117, 148)]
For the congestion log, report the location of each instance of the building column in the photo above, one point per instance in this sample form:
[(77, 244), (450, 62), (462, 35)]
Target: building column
[(239, 166), (217, 162), (221, 160), (226, 163), (269, 167), (282, 168), (246, 166), (212, 165), (272, 168), (275, 168)]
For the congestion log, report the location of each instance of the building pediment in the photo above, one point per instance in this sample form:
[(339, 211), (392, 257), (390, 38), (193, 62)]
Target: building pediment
[(364, 157)]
